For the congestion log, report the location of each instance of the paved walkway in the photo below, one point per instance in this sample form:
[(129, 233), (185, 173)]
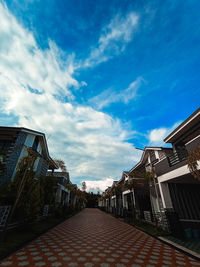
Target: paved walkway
[(93, 238)]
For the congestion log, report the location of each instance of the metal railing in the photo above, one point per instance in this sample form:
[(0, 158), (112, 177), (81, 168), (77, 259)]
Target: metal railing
[(178, 156)]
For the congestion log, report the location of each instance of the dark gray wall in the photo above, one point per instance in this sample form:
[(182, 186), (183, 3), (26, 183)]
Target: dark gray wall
[(164, 167), (14, 156), (42, 168), (192, 145)]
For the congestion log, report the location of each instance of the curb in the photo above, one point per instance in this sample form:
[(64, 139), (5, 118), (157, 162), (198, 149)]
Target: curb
[(174, 245), (186, 251)]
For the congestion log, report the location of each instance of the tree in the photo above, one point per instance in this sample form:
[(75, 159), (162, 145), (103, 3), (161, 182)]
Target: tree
[(84, 186), (192, 161), (24, 187), (61, 165), (91, 199), (48, 187)]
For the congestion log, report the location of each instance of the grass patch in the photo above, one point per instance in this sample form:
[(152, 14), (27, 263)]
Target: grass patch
[(18, 238), (145, 227), (150, 229)]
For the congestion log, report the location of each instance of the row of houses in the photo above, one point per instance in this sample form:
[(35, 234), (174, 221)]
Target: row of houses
[(163, 188), (14, 145)]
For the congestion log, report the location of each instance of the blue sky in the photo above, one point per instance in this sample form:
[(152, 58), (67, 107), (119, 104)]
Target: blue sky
[(99, 77)]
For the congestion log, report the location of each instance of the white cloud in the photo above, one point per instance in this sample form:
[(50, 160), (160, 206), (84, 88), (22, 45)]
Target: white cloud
[(83, 83), (156, 136), (24, 64), (109, 96), (32, 84), (99, 185), (113, 39)]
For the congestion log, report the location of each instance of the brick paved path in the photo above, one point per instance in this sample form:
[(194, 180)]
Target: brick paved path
[(93, 238)]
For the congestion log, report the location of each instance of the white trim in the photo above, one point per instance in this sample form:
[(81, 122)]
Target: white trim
[(161, 194), (136, 166), (126, 192), (44, 141), (31, 132), (157, 155), (165, 195), (160, 161), (186, 220), (153, 148), (143, 154), (184, 124), (192, 139), (173, 174)]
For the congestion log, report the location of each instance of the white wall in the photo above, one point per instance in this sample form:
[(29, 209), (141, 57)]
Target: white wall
[(39, 150), (165, 195), (154, 202), (28, 143), (29, 140)]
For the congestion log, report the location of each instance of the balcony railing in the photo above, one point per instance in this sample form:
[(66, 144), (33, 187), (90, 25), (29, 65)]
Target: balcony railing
[(178, 156)]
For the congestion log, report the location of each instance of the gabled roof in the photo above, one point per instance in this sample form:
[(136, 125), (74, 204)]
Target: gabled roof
[(108, 189), (183, 127), (114, 183), (124, 175), (144, 155), (15, 130)]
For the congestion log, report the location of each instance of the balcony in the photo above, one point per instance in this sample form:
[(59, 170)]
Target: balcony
[(172, 162), (178, 156)]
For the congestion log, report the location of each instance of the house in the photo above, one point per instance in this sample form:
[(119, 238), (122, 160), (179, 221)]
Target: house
[(62, 193), (147, 197), (102, 201), (113, 197), (107, 199), (137, 192), (180, 191), (14, 142), (161, 188), (121, 195)]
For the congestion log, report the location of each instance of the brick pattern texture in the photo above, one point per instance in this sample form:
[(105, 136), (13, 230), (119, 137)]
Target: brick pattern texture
[(94, 238)]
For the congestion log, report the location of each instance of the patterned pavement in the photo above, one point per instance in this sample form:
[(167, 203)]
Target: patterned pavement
[(93, 238)]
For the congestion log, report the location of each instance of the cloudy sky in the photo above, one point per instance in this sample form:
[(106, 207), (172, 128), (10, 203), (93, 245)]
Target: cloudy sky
[(99, 77)]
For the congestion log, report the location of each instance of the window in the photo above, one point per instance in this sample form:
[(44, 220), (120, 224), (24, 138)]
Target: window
[(35, 144)]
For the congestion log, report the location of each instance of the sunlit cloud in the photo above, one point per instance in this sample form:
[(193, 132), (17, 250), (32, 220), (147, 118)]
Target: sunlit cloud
[(110, 96), (113, 39), (32, 83), (99, 185), (156, 136)]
